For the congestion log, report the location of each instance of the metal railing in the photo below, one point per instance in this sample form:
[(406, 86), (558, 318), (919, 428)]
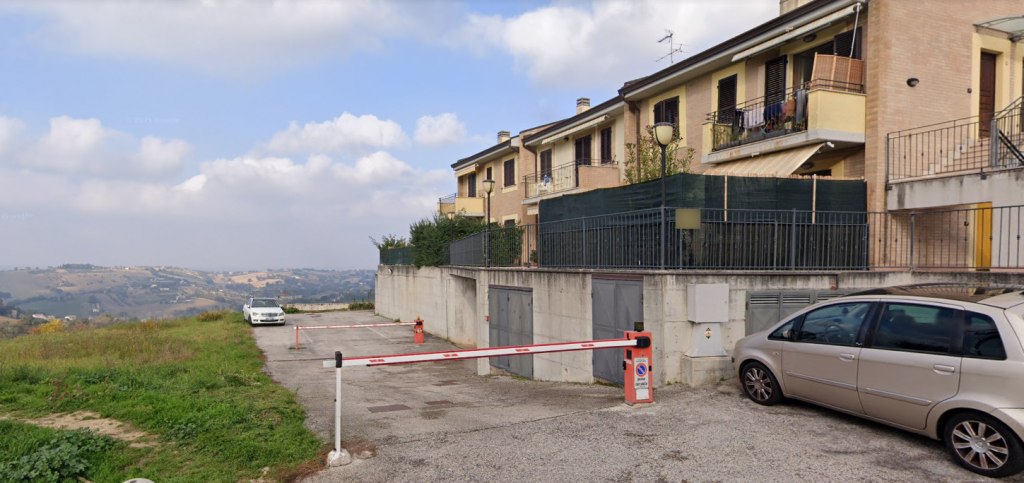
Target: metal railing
[(447, 200), (396, 256), (772, 115), (560, 178), (957, 147), (761, 240)]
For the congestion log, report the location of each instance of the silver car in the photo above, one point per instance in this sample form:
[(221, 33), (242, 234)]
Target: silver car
[(941, 360)]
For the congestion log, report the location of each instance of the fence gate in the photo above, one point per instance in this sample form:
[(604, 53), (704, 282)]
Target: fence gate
[(511, 323), (617, 302), (768, 307)]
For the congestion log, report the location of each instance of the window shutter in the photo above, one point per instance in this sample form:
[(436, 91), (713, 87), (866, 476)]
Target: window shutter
[(775, 80), (545, 163), (727, 99), (842, 42)]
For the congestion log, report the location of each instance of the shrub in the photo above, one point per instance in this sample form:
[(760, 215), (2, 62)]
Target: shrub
[(65, 457), (364, 305), (430, 237), (212, 315), (643, 159), (288, 309), (52, 327)]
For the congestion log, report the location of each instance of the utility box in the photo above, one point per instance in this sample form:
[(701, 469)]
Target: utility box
[(707, 307), (707, 302)]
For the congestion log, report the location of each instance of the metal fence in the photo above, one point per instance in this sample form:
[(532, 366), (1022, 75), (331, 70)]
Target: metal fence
[(560, 178), (716, 239), (396, 256), (972, 144)]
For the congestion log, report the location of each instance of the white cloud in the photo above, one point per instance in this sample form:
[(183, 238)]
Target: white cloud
[(345, 132), (70, 144), (232, 38), (606, 42), (10, 133), (158, 156), (378, 167), (439, 130)]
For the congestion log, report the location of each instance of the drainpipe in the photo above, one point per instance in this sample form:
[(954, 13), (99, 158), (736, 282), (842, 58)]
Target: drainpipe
[(634, 108)]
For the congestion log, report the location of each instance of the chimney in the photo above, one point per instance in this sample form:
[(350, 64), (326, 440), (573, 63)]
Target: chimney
[(786, 6), (504, 136), (582, 104)]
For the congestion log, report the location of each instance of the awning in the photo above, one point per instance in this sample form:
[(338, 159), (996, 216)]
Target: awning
[(808, 28), (470, 168), (1012, 26), (778, 164)]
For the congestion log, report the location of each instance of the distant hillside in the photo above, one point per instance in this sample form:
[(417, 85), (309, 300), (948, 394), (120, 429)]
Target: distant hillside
[(84, 291)]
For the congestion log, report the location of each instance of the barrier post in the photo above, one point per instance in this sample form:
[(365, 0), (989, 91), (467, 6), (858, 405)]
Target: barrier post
[(339, 456), (296, 336), (637, 366), (417, 331)]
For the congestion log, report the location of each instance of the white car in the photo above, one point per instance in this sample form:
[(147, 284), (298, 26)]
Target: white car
[(259, 311)]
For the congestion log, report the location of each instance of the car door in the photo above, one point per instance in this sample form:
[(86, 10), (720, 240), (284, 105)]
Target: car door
[(819, 363), (910, 363)]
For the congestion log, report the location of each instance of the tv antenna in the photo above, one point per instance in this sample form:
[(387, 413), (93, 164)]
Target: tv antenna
[(672, 47)]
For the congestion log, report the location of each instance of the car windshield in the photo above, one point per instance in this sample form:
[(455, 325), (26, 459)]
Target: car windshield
[(264, 303)]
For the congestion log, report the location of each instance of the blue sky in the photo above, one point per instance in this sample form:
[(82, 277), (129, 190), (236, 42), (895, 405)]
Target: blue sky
[(230, 135)]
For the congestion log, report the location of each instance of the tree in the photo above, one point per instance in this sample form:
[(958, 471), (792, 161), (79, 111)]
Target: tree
[(430, 237), (643, 159), (388, 242)]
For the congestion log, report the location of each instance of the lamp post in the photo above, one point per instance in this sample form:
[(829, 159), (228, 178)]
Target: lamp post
[(488, 188), (663, 133)]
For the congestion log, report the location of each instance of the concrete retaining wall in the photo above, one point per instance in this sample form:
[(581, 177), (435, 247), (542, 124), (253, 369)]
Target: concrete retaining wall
[(454, 303), (318, 307)]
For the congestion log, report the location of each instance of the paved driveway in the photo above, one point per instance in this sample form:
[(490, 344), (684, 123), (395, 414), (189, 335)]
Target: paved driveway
[(441, 422)]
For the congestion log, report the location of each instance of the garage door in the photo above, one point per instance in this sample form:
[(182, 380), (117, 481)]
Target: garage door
[(511, 323), (617, 303)]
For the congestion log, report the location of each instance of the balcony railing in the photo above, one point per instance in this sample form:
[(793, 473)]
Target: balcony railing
[(562, 178), (769, 116), (968, 145), (446, 204)]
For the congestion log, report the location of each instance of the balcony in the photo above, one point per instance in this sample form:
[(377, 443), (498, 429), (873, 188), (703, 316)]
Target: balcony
[(463, 205), (582, 175), (959, 162), (830, 107)]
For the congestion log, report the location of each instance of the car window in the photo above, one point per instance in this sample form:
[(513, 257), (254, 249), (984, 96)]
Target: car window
[(981, 337), (836, 324), (783, 332), (264, 303), (916, 328)]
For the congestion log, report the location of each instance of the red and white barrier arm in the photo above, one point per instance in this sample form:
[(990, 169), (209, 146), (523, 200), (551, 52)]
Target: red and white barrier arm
[(520, 350), (354, 326)]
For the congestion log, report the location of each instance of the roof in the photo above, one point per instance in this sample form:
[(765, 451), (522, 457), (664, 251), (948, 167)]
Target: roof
[(558, 126), (1012, 26), (1002, 296), (723, 47), (497, 148)]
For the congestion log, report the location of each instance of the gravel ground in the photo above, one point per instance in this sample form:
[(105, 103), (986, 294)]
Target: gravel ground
[(441, 422)]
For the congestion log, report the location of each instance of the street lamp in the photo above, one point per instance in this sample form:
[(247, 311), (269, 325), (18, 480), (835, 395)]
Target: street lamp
[(663, 134), (488, 188)]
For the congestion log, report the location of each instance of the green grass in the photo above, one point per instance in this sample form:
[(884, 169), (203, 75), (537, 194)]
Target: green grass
[(197, 386)]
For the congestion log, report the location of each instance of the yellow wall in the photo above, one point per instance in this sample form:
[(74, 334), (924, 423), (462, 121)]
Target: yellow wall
[(835, 111), (739, 69)]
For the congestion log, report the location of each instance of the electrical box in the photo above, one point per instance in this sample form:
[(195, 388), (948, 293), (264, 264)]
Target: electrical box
[(707, 302)]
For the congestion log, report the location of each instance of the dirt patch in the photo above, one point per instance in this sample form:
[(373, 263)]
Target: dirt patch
[(360, 448), (96, 423)]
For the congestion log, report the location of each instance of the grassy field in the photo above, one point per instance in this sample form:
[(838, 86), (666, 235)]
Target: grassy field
[(195, 388)]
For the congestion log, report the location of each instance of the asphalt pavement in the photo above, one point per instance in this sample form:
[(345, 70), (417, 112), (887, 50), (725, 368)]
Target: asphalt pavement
[(439, 421)]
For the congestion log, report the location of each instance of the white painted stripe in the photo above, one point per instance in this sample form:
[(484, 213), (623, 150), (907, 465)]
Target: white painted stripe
[(485, 352)]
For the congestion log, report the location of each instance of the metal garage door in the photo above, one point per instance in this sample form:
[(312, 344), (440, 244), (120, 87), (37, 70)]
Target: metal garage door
[(511, 315), (768, 307), (617, 302)]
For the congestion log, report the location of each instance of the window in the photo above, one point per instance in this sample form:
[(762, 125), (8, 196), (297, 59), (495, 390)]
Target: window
[(583, 151), (471, 185), (606, 145), (545, 164), (803, 63), (775, 80), (981, 338), (782, 333), (489, 173), (916, 328), (727, 100), (668, 111), (837, 324), (510, 224), (510, 172)]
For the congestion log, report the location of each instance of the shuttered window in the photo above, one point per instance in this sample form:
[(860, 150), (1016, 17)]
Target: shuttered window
[(510, 172), (727, 100), (843, 41), (668, 111), (583, 150), (606, 145), (471, 185), (775, 80), (545, 163)]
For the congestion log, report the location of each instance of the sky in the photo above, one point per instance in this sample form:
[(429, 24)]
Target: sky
[(229, 135)]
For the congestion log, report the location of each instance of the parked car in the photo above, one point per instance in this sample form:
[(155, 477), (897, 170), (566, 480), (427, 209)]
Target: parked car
[(259, 311), (942, 360)]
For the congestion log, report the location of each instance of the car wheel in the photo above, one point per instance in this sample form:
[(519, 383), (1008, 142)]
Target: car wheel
[(983, 445), (759, 384)]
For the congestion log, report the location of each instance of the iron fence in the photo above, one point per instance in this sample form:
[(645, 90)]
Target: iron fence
[(560, 178), (768, 240), (972, 144)]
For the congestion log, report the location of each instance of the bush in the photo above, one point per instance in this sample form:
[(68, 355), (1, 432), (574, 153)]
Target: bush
[(65, 457), (360, 305), (52, 327), (212, 315), (288, 309), (430, 237)]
